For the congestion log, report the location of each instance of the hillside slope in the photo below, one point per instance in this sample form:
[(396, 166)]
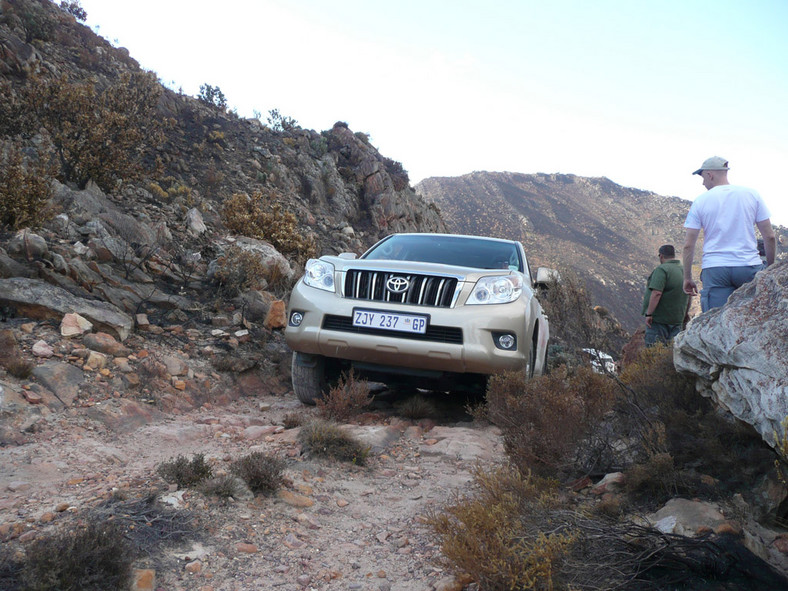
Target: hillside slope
[(609, 234)]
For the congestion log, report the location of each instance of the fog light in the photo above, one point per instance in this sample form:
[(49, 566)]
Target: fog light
[(506, 341), (296, 318)]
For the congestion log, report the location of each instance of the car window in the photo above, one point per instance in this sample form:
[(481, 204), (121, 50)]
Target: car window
[(460, 251)]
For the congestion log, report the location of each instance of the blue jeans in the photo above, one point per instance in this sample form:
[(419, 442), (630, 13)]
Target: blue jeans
[(720, 282), (661, 332)]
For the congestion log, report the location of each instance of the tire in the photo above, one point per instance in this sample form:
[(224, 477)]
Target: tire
[(309, 377)]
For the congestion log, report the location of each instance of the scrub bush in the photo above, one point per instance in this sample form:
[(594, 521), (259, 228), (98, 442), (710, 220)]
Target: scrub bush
[(348, 398), (261, 472), (545, 420), (184, 472), (25, 188), (94, 557), (261, 216), (326, 439), (240, 270), (501, 535)]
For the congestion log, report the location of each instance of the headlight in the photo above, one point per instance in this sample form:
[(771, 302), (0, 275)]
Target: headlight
[(496, 290), (319, 274)]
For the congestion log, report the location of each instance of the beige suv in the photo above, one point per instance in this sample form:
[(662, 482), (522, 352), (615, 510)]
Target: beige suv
[(434, 311)]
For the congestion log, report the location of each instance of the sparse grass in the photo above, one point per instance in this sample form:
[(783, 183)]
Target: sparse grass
[(183, 472), (95, 556), (261, 472), (348, 398), (326, 439)]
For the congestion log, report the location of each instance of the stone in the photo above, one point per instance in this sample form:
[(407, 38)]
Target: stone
[(246, 548), (62, 379), (95, 361), (738, 353), (36, 299), (294, 499), (29, 245), (194, 222), (175, 365), (277, 316), (144, 579), (105, 343), (686, 518), (42, 349), (74, 325)]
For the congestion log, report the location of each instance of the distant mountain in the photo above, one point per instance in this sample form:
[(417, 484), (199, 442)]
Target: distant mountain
[(607, 233)]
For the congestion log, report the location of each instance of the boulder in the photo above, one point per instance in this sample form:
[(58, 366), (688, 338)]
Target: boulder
[(739, 353), (34, 298)]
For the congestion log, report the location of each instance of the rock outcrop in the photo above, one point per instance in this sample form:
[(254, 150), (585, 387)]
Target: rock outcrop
[(739, 353)]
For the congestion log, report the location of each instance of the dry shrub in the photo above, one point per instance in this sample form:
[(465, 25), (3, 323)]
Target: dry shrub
[(184, 472), (417, 407), (665, 418), (225, 487), (574, 325), (11, 356), (348, 398), (500, 535), (292, 420), (326, 439), (93, 557), (20, 368), (261, 472), (545, 419), (240, 270), (25, 188), (262, 216)]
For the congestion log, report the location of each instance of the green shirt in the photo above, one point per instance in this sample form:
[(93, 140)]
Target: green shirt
[(669, 279)]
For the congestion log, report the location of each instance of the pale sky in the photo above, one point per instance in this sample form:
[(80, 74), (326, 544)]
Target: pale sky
[(639, 92)]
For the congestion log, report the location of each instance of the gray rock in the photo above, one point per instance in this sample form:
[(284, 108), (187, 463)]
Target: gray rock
[(739, 353), (29, 245), (62, 379), (36, 299)]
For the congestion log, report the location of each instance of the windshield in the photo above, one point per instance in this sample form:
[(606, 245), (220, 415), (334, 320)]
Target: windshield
[(462, 251)]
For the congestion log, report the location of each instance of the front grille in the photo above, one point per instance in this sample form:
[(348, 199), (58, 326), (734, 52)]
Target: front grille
[(423, 290), (440, 334)]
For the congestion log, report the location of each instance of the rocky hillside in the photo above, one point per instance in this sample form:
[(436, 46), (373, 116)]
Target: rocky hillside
[(609, 234)]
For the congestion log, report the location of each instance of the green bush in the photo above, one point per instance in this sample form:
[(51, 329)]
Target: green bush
[(213, 96), (261, 472), (326, 439), (74, 8), (184, 472), (279, 122)]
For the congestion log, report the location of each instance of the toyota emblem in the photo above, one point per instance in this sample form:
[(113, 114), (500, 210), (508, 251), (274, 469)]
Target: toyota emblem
[(397, 284)]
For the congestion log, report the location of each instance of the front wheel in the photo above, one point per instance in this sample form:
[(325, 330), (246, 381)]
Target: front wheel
[(309, 377)]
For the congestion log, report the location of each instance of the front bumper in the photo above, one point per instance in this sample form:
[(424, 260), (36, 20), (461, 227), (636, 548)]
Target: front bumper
[(459, 339)]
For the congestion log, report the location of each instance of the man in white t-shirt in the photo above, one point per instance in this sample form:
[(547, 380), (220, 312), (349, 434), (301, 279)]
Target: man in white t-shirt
[(727, 215)]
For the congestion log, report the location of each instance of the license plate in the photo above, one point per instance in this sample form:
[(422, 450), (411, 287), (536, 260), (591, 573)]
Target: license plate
[(390, 321)]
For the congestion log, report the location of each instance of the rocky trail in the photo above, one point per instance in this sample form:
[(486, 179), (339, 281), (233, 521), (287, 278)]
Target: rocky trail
[(332, 526)]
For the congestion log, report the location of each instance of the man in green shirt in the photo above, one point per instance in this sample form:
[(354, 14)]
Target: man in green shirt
[(665, 305)]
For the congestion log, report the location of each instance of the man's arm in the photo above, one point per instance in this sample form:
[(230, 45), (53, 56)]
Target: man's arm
[(769, 240), (653, 302), (687, 257)]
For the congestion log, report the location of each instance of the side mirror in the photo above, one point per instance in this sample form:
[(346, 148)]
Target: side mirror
[(347, 255), (546, 276)]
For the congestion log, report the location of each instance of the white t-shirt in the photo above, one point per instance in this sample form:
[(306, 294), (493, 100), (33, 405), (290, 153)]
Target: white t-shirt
[(727, 214)]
